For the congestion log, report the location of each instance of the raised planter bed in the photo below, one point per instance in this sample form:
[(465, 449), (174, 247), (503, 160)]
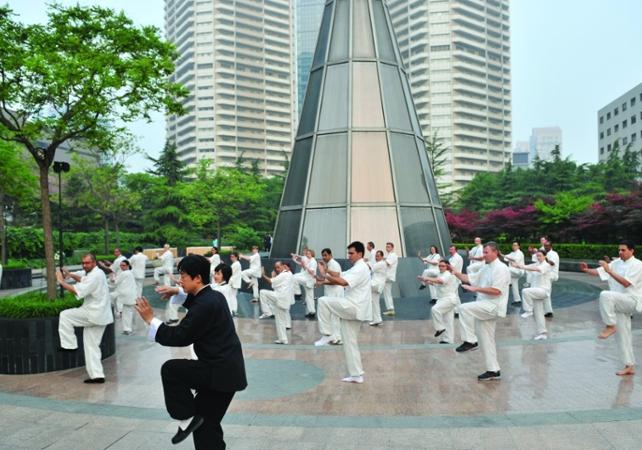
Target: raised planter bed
[(15, 278)]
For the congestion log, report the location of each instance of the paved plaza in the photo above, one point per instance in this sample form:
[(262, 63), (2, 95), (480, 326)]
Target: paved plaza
[(560, 393)]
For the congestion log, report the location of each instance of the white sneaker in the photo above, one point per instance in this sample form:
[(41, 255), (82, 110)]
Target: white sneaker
[(541, 337), (527, 314), (375, 324), (278, 341), (325, 340), (264, 316), (351, 379)]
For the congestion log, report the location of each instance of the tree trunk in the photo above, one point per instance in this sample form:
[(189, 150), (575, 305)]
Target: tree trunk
[(106, 236), (3, 232), (117, 231), (218, 233), (47, 231)]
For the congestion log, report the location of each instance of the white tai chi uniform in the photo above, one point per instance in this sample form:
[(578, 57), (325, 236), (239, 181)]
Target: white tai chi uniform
[(431, 271), (475, 252), (479, 318), (166, 268), (333, 290), (391, 276), (215, 260), (279, 301), (235, 285), (619, 303), (517, 257), (138, 261), (443, 313), (553, 257), (535, 295), (457, 263), (377, 283), (352, 309), (252, 274), (94, 314), (115, 268), (125, 295), (307, 280), (369, 257)]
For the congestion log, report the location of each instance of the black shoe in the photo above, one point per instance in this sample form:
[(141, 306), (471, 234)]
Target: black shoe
[(516, 303), (549, 315), (466, 346), (94, 381), (488, 375), (440, 332), (456, 315), (181, 435), (311, 315), (433, 301), (66, 350), (423, 286), (444, 342)]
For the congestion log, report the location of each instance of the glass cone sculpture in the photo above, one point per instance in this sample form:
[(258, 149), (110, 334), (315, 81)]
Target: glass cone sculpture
[(359, 169)]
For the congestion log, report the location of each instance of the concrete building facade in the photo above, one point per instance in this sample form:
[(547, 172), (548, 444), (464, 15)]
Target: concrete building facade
[(236, 58), (620, 122), (457, 54), (308, 18), (521, 155), (543, 141)]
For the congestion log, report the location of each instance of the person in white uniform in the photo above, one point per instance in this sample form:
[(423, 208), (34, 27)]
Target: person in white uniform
[(352, 309), (443, 313), (166, 268), (475, 257), (252, 274), (125, 294), (621, 301), (113, 268), (554, 259), (431, 271), (279, 299), (331, 290), (377, 283), (479, 318), (370, 257), (306, 278), (535, 295), (515, 260), (391, 276), (138, 263), (93, 316), (457, 264), (215, 260), (235, 282), (221, 282)]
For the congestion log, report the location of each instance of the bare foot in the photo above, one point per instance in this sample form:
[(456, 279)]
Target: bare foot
[(628, 370), (607, 332)]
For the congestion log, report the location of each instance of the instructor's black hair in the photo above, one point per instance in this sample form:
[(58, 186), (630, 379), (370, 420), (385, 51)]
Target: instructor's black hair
[(194, 265)]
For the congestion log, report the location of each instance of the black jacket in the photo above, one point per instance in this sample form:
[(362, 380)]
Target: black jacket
[(209, 326)]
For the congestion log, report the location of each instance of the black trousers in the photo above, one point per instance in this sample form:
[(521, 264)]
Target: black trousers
[(179, 377)]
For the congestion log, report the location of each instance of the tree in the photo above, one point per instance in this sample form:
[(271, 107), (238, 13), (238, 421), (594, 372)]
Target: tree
[(74, 78), (17, 183), (437, 154), (168, 165)]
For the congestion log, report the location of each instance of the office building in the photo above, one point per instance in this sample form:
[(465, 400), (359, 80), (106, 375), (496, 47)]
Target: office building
[(620, 123), (521, 155), (543, 141), (308, 18)]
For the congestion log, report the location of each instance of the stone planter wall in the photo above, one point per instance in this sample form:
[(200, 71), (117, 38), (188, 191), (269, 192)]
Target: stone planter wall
[(15, 278), (30, 346)]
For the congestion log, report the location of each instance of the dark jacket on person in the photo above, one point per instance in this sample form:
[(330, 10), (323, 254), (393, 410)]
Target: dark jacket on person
[(209, 326)]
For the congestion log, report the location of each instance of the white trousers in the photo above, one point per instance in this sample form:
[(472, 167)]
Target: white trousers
[(514, 285), (139, 287), (300, 280), (280, 315), (337, 308), (264, 298), (233, 302), (376, 306), (171, 311), (616, 309), (387, 296), (535, 298), (548, 304), (158, 271), (128, 318), (92, 334), (116, 303), (478, 319), (251, 278), (443, 317)]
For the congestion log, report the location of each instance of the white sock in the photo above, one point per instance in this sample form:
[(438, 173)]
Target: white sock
[(183, 424)]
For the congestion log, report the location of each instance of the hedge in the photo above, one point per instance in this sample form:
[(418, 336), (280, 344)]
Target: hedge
[(566, 251), (35, 304)]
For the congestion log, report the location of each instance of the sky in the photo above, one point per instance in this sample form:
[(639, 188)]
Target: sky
[(569, 59)]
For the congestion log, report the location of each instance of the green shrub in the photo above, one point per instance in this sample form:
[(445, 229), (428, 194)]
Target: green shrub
[(35, 304), (17, 264), (566, 251)]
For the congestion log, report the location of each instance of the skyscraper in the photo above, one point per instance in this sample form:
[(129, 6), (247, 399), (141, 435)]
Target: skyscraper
[(457, 54), (308, 18), (236, 58), (543, 141), (359, 168)]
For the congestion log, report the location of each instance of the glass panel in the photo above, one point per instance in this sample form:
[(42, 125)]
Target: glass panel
[(286, 234), (297, 173), (371, 179), (419, 230), (443, 228), (325, 228), (411, 104), (339, 44), (334, 103), (362, 45), (375, 224), (309, 113), (322, 40), (366, 102), (409, 176), (432, 186), (329, 170), (384, 41), (395, 102)]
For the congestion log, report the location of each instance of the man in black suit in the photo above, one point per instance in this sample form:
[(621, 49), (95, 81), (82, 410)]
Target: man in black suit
[(219, 370)]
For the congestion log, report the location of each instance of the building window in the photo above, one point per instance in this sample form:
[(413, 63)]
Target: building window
[(633, 119), (608, 115), (633, 136), (625, 140), (608, 131), (601, 119), (633, 101), (615, 112), (624, 106), (608, 148), (616, 128), (601, 150), (624, 124), (601, 134)]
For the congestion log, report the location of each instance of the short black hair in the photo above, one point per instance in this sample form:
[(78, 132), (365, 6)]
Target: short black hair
[(371, 243), (215, 248), (90, 256), (138, 249), (357, 246), (379, 252), (326, 250), (124, 261), (287, 263), (194, 265), (629, 244), (225, 270), (236, 254)]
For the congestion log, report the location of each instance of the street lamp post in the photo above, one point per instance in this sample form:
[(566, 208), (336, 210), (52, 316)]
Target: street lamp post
[(59, 167)]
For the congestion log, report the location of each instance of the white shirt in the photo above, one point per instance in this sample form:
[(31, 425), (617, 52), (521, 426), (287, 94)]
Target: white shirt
[(282, 286), (235, 279), (167, 259), (475, 252), (138, 262), (631, 271), (448, 289), (517, 257), (115, 265), (255, 262), (215, 260), (358, 290), (333, 290), (495, 275), (93, 289), (542, 279), (391, 262), (553, 257), (379, 270), (126, 287), (224, 289), (434, 257), (457, 262)]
